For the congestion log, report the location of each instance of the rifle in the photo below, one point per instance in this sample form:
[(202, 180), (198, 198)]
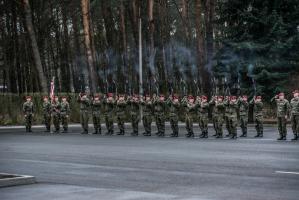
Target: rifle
[(183, 87), (52, 89), (227, 89)]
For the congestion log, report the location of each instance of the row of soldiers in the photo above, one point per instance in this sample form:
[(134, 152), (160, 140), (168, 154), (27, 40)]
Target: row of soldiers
[(225, 110)]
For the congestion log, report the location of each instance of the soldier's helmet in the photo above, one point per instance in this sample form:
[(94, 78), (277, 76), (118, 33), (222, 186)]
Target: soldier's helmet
[(28, 97), (96, 95), (258, 97), (220, 97), (244, 97), (204, 97), (110, 94), (63, 97), (45, 97)]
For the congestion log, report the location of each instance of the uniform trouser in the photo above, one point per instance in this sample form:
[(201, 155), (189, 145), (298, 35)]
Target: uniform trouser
[(282, 126), (259, 124), (109, 123), (160, 122), (219, 124), (204, 123), (174, 120), (28, 121), (64, 121), (233, 122), (96, 119), (147, 122), (56, 121), (295, 124), (214, 120), (84, 117), (243, 123), (135, 118), (47, 121), (121, 122), (226, 119), (189, 123)]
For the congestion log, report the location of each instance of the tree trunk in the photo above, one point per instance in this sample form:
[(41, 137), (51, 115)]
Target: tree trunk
[(200, 47), (36, 54), (209, 20), (87, 42), (186, 21)]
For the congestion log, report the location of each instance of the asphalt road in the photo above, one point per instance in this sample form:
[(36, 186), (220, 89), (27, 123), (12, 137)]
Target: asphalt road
[(75, 166)]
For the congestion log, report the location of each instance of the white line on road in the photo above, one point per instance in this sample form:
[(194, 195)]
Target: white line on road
[(285, 172)]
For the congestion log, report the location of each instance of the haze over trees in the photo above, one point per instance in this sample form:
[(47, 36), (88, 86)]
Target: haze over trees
[(188, 46)]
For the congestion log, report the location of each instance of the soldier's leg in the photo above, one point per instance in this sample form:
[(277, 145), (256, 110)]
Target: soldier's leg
[(220, 127), (214, 118), (120, 124), (296, 119), (256, 127), (176, 126), (66, 124), (260, 126), (234, 124), (280, 128), (162, 125), (187, 125), (95, 124), (107, 123), (146, 125), (284, 127), (99, 124), (227, 125), (293, 123), (26, 123), (49, 123), (111, 126)]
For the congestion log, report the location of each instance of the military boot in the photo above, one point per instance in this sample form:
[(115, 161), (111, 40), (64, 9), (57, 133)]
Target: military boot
[(146, 134), (64, 130), (234, 136), (95, 132), (134, 133), (295, 137), (280, 137), (244, 134), (174, 134)]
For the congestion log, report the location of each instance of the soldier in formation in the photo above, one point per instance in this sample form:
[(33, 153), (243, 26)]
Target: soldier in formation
[(28, 110), (225, 110), (47, 113)]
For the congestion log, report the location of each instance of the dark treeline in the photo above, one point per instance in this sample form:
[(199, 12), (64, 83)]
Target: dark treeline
[(188, 46)]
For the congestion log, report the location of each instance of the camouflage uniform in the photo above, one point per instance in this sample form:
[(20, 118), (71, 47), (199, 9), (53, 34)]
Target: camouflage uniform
[(204, 119), (219, 110), (159, 109), (64, 114), (135, 116), (233, 118), (121, 106), (283, 107), (294, 107), (109, 109), (198, 117), (56, 115), (96, 116), (84, 113), (47, 115), (258, 117), (226, 116), (147, 109), (214, 115), (28, 110), (190, 112), (174, 109), (243, 110)]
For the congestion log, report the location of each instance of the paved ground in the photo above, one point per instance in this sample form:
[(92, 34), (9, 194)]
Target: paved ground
[(73, 166)]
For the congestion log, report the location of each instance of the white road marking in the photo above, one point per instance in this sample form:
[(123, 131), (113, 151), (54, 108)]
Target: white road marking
[(285, 172)]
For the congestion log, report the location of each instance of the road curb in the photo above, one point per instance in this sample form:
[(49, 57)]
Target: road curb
[(15, 179)]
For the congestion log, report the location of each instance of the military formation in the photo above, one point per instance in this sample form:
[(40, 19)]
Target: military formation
[(231, 111)]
